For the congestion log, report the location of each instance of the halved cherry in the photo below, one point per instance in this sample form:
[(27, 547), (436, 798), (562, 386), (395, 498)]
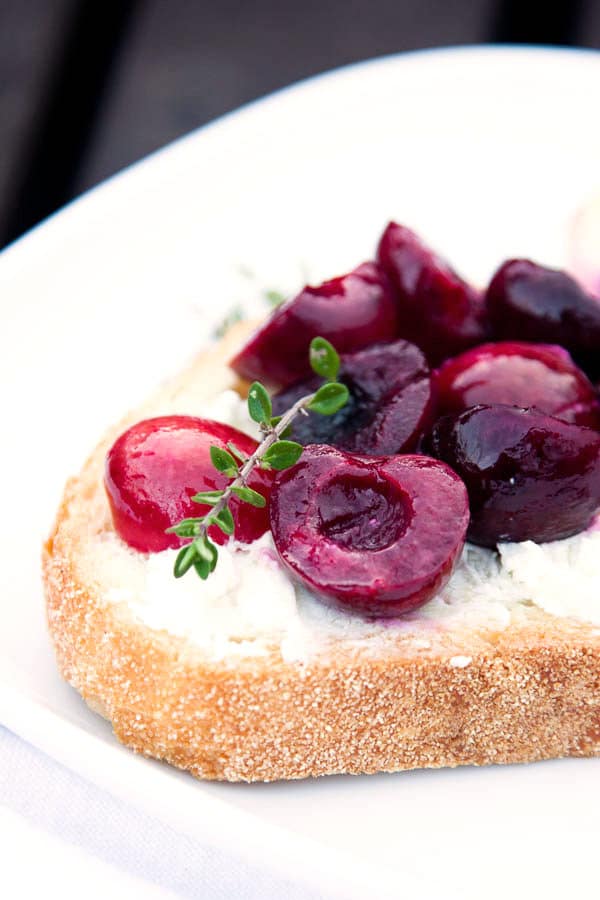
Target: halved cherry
[(373, 535), (530, 477), (437, 309), (155, 467), (391, 402), (518, 374), (533, 303), (352, 312)]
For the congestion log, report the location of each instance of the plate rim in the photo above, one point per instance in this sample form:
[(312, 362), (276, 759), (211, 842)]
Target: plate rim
[(143, 166)]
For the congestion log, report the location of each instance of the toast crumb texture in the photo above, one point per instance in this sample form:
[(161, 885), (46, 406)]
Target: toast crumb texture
[(528, 692)]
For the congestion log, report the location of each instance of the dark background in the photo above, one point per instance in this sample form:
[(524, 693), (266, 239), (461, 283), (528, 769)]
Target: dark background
[(88, 87)]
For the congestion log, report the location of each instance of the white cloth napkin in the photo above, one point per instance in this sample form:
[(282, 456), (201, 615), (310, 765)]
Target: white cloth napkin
[(61, 836)]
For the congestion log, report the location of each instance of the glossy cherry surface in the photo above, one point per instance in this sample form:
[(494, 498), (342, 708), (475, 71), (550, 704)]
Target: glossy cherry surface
[(437, 309), (532, 303), (518, 374), (352, 312), (391, 402), (529, 476), (373, 535), (156, 466)]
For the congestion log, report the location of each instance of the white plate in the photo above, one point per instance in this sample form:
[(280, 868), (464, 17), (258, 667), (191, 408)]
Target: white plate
[(488, 153)]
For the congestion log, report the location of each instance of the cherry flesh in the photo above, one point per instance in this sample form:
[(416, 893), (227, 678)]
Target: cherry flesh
[(518, 374), (529, 476), (437, 310), (533, 303), (352, 312), (156, 466), (377, 536), (391, 402)]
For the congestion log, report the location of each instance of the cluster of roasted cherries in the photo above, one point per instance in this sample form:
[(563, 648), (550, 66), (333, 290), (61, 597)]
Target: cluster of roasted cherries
[(472, 415)]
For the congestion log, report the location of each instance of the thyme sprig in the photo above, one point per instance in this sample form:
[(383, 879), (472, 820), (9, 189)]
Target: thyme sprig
[(273, 452)]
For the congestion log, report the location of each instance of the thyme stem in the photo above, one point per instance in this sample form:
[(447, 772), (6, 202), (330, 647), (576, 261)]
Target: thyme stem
[(272, 435), (273, 452)]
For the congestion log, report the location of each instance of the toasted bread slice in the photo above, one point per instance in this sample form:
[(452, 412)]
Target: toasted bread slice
[(401, 695)]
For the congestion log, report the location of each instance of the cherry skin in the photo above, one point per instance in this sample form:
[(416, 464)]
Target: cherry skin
[(352, 312), (156, 466), (533, 303), (518, 374), (437, 309), (530, 477), (377, 536), (391, 402)]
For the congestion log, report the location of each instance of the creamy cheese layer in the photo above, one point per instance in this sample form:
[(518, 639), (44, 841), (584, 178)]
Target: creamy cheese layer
[(250, 605)]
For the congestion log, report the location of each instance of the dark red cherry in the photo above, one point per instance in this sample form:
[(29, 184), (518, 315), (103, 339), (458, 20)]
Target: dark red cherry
[(437, 310), (373, 535), (530, 477), (532, 303), (518, 374), (391, 402), (155, 467), (352, 312)]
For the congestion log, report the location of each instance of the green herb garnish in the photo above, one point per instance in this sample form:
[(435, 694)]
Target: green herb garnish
[(274, 452), (274, 298)]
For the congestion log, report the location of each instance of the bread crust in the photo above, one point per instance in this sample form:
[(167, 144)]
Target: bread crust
[(528, 692)]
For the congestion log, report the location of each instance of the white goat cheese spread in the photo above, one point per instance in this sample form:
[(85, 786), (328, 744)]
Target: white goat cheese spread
[(250, 605)]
